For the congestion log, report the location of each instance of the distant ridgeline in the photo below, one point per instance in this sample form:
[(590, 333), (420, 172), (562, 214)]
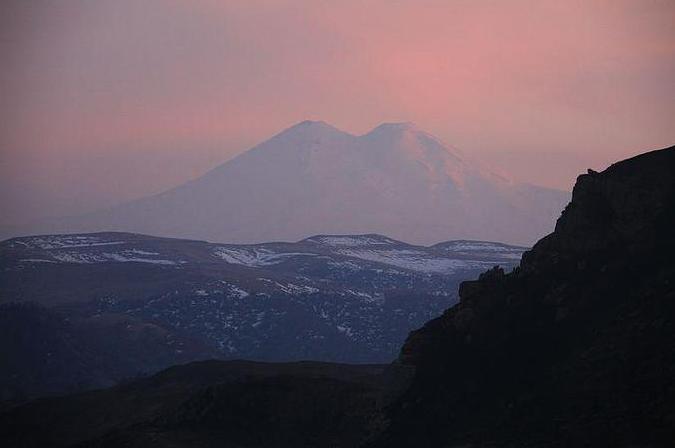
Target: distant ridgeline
[(87, 310), (396, 180)]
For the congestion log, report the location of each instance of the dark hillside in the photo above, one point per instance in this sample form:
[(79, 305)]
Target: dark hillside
[(574, 348)]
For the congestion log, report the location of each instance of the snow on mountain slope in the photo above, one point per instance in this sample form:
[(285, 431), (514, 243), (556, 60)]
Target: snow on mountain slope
[(255, 257), (311, 264), (447, 258), (85, 249), (332, 297), (480, 248), (107, 248), (352, 240), (313, 178)]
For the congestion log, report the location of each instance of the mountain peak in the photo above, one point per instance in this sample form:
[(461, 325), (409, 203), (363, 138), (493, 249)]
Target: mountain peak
[(313, 125), (402, 126), (311, 129), (313, 178)]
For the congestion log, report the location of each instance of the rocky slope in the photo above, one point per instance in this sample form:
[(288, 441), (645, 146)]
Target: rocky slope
[(86, 310), (574, 348)]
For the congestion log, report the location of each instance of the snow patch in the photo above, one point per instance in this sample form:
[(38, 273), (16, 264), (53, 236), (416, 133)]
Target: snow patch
[(414, 260), (291, 288), (142, 252), (78, 257), (89, 258), (127, 259), (480, 246), (351, 241), (235, 291), (238, 292), (66, 242), (255, 257), (345, 329)]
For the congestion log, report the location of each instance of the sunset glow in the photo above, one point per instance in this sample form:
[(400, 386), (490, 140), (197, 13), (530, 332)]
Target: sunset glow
[(107, 101)]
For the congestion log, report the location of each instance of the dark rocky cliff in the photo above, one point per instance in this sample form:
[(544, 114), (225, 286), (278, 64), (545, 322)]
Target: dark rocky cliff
[(576, 347)]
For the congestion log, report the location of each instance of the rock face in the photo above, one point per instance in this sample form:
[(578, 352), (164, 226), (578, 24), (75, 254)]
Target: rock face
[(574, 348)]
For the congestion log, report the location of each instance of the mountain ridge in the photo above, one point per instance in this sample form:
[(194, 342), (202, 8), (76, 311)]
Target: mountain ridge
[(86, 310), (314, 178)]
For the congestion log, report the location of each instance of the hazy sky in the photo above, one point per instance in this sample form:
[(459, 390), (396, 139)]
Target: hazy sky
[(103, 101)]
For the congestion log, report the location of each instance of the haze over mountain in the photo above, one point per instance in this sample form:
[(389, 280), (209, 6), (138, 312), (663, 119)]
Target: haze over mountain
[(313, 178)]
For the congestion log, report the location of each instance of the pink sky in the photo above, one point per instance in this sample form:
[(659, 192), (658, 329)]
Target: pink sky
[(110, 100)]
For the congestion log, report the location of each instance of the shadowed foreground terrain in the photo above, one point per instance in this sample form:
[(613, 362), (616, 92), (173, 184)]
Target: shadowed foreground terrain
[(576, 347), (212, 403)]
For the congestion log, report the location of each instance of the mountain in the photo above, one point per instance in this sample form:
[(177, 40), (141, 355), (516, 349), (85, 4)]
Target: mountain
[(313, 178), (573, 348), (88, 310)]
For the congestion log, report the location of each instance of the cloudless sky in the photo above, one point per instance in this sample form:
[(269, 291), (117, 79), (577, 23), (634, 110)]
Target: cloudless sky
[(107, 100)]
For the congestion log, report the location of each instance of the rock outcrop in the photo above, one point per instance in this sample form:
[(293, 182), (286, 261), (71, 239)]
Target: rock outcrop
[(576, 347)]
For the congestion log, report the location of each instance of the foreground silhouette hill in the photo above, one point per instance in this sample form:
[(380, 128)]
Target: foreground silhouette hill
[(211, 403), (576, 347)]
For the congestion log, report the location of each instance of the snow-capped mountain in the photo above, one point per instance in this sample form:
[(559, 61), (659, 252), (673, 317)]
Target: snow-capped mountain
[(138, 303), (313, 178)]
